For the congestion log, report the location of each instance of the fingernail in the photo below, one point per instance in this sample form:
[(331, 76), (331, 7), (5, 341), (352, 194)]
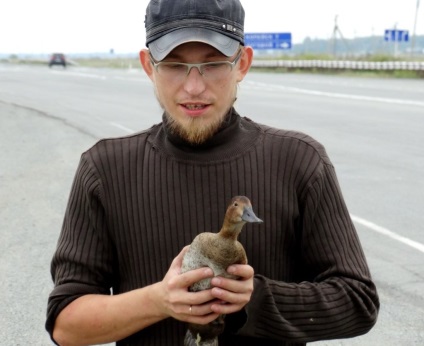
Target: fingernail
[(208, 272), (231, 269)]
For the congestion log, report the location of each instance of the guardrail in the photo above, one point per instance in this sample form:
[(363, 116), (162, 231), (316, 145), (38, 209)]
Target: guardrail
[(341, 64)]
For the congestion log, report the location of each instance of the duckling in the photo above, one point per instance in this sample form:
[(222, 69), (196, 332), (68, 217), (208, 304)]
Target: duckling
[(217, 251)]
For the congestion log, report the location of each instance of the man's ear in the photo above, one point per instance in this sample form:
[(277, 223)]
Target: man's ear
[(145, 62), (245, 62)]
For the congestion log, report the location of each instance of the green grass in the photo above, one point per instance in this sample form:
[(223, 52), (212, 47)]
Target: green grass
[(109, 63)]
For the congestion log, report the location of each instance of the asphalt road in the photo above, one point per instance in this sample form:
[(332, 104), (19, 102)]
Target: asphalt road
[(372, 128)]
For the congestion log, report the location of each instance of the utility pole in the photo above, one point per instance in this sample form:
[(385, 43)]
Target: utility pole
[(336, 30), (396, 40), (415, 28)]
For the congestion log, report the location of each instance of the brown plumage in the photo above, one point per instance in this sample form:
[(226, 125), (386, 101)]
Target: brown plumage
[(217, 251)]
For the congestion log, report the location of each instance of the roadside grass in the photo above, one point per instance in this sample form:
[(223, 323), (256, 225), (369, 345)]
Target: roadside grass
[(109, 63)]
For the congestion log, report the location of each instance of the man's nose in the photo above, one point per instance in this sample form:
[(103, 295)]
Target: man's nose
[(194, 83)]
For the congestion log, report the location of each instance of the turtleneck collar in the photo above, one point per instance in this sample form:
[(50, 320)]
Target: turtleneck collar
[(234, 137)]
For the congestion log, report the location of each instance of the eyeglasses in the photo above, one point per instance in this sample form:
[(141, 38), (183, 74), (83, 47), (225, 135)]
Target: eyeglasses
[(178, 71)]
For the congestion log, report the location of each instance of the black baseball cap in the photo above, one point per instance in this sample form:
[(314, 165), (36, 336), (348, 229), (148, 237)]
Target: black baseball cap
[(170, 23)]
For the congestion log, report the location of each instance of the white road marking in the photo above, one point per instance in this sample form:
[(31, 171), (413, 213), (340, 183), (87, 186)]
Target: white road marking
[(122, 127), (412, 243), (80, 74), (338, 95)]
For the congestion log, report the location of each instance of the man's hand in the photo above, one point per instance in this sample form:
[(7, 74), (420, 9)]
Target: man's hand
[(233, 294), (175, 300), (227, 295)]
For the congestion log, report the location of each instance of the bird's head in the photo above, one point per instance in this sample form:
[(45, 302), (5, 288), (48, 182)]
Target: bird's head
[(240, 211)]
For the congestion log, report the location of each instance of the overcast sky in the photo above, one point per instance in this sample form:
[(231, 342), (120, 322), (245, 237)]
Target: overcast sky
[(83, 26)]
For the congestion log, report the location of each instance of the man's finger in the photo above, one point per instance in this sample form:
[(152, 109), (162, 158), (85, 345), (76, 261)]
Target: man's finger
[(244, 271), (189, 278)]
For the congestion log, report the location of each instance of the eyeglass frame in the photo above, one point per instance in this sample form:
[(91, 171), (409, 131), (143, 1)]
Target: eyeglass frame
[(199, 66)]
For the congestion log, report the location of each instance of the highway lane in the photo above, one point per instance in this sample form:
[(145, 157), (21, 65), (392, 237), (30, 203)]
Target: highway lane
[(372, 129)]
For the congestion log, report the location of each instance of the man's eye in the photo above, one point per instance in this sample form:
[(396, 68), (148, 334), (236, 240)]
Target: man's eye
[(174, 66), (213, 66)]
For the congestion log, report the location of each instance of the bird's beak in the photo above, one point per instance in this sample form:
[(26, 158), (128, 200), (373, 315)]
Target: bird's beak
[(249, 215)]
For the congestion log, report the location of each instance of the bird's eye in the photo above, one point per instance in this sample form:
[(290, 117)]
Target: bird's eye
[(236, 204)]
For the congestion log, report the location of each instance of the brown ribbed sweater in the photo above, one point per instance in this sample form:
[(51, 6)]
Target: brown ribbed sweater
[(137, 200)]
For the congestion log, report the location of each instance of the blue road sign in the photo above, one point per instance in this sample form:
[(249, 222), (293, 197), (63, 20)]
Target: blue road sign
[(396, 35), (282, 40)]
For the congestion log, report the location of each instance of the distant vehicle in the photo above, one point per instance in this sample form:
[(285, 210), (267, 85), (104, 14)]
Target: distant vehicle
[(57, 59)]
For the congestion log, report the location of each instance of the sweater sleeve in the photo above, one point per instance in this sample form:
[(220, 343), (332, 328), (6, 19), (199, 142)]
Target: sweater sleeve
[(338, 299), (83, 261)]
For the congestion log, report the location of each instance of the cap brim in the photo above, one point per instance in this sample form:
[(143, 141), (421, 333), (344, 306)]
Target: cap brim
[(161, 47)]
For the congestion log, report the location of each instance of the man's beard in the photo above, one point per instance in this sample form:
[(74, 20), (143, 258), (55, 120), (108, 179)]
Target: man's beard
[(194, 130)]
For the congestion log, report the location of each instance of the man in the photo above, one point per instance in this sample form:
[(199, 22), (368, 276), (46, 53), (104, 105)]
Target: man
[(137, 201)]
